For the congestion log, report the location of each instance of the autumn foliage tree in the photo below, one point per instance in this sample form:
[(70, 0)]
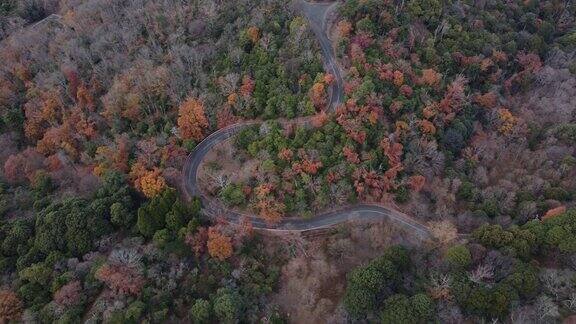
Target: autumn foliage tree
[(318, 95), (253, 34), (487, 100), (122, 279), (506, 120), (351, 155), (454, 98), (392, 150), (268, 207), (152, 183), (285, 154), (192, 120), (22, 166), (69, 294), (225, 117), (148, 182), (219, 245), (270, 210), (417, 182), (430, 77), (197, 241), (554, 212), (11, 306), (247, 86), (319, 119), (344, 28)]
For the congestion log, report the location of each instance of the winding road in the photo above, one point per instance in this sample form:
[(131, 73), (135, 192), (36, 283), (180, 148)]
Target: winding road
[(317, 15)]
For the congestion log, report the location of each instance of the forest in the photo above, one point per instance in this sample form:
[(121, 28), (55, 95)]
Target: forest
[(459, 114)]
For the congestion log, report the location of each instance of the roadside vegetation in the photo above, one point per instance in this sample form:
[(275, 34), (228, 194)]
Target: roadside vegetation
[(429, 120), (498, 274)]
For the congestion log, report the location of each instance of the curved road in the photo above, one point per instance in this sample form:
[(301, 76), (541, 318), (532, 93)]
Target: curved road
[(317, 15)]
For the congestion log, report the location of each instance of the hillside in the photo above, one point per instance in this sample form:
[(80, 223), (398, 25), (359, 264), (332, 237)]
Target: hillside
[(217, 161)]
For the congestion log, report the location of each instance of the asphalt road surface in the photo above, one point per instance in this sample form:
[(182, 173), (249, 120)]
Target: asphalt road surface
[(317, 15)]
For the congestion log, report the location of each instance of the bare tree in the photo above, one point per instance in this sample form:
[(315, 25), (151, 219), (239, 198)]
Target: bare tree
[(546, 308), (559, 283), (481, 273)]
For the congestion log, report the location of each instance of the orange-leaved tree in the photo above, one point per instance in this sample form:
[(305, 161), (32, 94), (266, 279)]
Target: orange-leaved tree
[(430, 77), (219, 245), (192, 119), (152, 183), (247, 86), (253, 34), (343, 28), (318, 95)]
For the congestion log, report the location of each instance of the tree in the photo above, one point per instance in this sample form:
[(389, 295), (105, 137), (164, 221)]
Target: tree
[(38, 273), (320, 119), (152, 183), (546, 308), (120, 215), (525, 280), (285, 154), (270, 210), (134, 311), (344, 28), (69, 294), (197, 241), (318, 95), (351, 155), (417, 182), (366, 285), (392, 150), (458, 256), (247, 87), (507, 121), (402, 309), (82, 224), (455, 96), (227, 305), (487, 100), (398, 78), (152, 215), (430, 78), (233, 195), (554, 212), (22, 166), (427, 127), (10, 306), (225, 117), (201, 311), (192, 120), (253, 34), (444, 231), (121, 279), (219, 245), (429, 11)]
